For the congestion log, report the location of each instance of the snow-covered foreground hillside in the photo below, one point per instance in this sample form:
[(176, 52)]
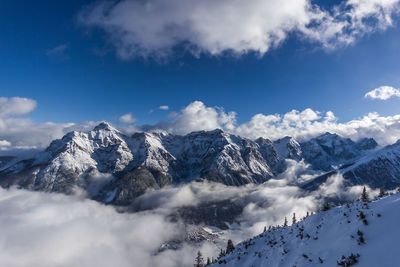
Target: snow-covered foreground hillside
[(324, 238)]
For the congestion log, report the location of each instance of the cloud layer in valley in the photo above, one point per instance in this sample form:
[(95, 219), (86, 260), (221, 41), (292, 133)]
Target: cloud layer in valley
[(156, 27), (43, 229)]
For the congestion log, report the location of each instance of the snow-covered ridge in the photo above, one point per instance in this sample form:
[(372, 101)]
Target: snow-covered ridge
[(364, 232)]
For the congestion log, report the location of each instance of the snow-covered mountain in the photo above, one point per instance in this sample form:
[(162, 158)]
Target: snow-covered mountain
[(116, 168), (378, 169), (325, 152), (5, 161), (363, 233), (288, 148), (330, 151)]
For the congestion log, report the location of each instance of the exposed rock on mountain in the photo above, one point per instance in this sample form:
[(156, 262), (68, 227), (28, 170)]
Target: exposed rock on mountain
[(330, 151)]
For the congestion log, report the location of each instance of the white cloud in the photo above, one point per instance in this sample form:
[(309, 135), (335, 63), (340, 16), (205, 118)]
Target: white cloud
[(127, 118), (383, 93), (16, 106), (195, 117), (58, 50), (42, 229), (163, 107), (4, 144), (156, 27), (299, 124), (25, 135)]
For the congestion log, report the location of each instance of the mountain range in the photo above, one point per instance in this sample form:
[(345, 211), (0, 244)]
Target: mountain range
[(116, 168)]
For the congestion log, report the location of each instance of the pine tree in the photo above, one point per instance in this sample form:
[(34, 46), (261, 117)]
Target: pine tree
[(265, 228), (230, 247), (208, 261), (382, 192), (364, 195), (294, 218), (285, 223), (221, 253), (199, 261), (326, 206)]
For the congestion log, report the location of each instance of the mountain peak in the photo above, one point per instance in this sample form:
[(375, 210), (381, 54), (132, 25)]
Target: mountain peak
[(104, 126)]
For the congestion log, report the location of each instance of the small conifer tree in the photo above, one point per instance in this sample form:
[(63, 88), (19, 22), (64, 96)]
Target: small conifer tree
[(326, 206), (364, 195), (229, 247), (221, 253), (285, 222), (382, 192), (199, 261), (294, 220)]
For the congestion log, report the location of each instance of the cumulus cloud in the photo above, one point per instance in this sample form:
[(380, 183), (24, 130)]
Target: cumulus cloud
[(195, 117), (386, 130), (22, 135), (298, 124), (163, 107), (157, 27), (383, 93), (127, 118), (16, 106)]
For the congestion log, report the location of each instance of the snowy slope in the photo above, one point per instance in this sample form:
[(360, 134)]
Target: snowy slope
[(322, 239)]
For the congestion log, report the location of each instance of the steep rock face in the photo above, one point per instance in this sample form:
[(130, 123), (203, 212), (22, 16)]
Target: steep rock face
[(330, 151), (288, 148)]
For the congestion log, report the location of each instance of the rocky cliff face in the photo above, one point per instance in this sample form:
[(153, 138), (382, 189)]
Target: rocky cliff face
[(330, 151)]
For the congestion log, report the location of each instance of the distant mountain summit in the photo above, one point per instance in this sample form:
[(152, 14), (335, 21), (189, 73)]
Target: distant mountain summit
[(115, 168), (329, 151)]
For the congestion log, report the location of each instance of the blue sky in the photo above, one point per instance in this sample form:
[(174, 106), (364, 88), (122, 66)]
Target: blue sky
[(75, 73)]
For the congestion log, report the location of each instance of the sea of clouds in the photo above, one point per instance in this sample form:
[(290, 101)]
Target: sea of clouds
[(48, 229)]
